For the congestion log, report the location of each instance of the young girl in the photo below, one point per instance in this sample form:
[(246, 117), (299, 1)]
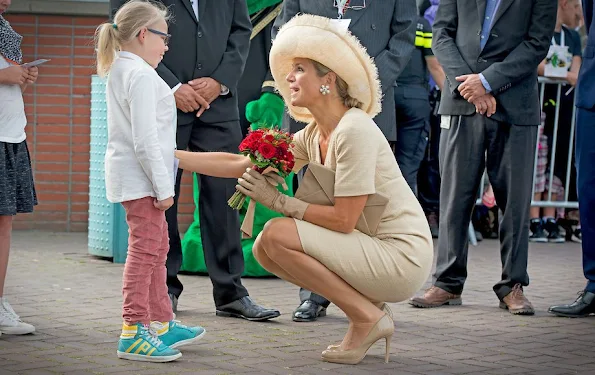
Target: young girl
[(139, 173), (17, 191)]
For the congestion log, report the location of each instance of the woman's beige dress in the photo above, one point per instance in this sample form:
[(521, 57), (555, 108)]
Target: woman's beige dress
[(393, 265)]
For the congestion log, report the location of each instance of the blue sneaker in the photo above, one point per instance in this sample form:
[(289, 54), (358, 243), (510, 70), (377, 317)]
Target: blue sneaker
[(138, 343), (174, 334)]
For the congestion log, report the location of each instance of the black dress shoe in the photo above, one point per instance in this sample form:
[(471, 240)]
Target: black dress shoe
[(245, 308), (583, 306), (174, 302), (308, 311)]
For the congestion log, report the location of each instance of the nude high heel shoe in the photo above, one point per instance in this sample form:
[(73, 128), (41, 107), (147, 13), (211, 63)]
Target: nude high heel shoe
[(383, 329), (384, 307)]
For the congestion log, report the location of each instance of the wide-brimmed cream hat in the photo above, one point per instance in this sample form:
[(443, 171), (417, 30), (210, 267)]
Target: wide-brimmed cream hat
[(325, 41)]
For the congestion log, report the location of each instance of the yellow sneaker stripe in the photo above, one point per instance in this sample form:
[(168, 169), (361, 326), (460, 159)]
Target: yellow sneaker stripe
[(133, 345), (144, 347), (151, 352)]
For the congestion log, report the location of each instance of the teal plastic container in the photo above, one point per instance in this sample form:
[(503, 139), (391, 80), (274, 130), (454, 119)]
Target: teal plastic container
[(108, 231)]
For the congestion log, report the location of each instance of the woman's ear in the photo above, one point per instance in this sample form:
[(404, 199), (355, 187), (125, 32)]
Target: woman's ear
[(331, 78)]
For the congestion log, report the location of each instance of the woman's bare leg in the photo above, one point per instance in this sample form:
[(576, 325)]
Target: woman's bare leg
[(281, 243), (5, 236)]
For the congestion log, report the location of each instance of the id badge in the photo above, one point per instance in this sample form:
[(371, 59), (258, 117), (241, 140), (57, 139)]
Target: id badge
[(445, 121)]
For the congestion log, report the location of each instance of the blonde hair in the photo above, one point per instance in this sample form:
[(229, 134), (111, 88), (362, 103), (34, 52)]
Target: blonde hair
[(342, 86), (128, 21)]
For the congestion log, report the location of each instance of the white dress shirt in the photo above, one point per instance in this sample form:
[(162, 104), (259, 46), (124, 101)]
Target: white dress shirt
[(141, 118)]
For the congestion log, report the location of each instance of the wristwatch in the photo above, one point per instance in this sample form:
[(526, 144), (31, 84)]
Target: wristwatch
[(224, 89)]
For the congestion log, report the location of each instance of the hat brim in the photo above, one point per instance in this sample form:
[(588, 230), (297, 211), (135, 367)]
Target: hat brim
[(317, 38)]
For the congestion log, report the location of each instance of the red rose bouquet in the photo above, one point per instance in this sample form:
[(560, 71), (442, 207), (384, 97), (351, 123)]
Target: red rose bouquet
[(267, 148)]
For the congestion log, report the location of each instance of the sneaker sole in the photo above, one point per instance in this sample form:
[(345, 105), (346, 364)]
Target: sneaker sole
[(147, 358), (17, 330), (538, 240), (559, 240), (188, 341), (450, 302), (226, 314), (503, 306)]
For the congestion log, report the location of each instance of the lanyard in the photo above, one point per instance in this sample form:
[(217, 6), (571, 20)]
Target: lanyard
[(341, 7), (562, 39)]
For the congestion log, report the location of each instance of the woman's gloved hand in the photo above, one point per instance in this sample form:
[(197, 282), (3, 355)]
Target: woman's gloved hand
[(263, 189)]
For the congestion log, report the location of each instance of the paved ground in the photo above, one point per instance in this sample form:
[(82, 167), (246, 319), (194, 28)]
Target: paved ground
[(74, 300)]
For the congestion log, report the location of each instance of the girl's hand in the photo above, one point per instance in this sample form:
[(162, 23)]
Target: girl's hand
[(164, 204)]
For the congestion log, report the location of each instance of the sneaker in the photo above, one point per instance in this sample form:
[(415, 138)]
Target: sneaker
[(553, 231), (10, 322), (174, 334), (576, 235), (139, 343), (537, 234)]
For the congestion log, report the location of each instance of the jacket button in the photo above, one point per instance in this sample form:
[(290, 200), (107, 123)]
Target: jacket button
[(199, 66), (199, 34), (373, 27)]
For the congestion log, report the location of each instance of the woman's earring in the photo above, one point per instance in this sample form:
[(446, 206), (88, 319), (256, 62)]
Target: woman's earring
[(325, 89)]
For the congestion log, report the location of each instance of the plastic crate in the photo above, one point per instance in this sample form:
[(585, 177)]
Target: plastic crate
[(108, 231)]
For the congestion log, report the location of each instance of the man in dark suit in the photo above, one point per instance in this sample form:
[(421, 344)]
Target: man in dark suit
[(490, 50), (206, 58), (585, 169), (386, 28)]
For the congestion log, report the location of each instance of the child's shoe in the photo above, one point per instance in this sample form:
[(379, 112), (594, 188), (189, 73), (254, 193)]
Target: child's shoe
[(10, 322), (174, 334), (138, 343)]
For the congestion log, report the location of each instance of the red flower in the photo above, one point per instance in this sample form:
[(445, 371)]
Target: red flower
[(267, 150)]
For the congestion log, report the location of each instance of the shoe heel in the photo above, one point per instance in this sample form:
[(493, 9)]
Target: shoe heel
[(387, 353)]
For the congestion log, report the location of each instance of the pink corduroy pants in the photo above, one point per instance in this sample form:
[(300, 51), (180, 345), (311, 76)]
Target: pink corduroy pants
[(144, 284)]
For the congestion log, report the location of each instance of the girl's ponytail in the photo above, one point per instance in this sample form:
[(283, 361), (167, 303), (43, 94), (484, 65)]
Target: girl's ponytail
[(106, 47)]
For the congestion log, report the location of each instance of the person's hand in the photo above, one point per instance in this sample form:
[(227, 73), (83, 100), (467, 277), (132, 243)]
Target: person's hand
[(188, 100), (255, 185), (206, 87), (471, 88), (572, 77), (33, 73), (263, 189), (485, 105), (164, 204), (14, 75)]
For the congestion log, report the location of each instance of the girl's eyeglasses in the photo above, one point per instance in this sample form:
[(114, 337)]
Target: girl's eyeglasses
[(165, 36)]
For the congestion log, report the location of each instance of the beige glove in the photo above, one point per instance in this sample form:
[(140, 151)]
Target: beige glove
[(263, 189)]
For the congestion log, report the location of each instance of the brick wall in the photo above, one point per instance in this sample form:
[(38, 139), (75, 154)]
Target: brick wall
[(58, 112)]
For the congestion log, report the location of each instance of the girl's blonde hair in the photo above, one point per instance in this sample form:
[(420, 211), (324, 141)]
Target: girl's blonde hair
[(128, 21), (342, 86)]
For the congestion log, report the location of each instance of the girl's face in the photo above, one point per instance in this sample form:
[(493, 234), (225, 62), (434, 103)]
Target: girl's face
[(154, 41), (4, 5), (304, 83)]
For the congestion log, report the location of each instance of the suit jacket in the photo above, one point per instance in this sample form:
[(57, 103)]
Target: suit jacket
[(519, 40), (386, 28), (214, 46), (585, 90)]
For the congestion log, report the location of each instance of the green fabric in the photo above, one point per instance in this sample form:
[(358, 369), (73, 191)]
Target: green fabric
[(257, 5), (268, 109), (192, 250)]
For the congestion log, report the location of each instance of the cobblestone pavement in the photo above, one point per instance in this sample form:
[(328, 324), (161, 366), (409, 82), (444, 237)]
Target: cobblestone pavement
[(74, 301)]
